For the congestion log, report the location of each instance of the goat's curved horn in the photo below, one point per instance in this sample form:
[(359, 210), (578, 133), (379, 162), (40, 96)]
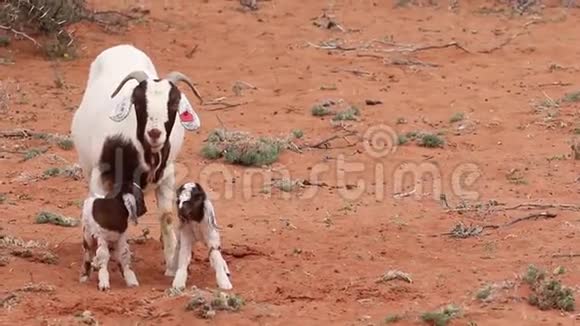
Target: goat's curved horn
[(138, 75), (176, 76)]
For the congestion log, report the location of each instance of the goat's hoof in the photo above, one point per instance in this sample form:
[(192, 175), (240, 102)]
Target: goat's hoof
[(104, 286), (133, 285), (224, 283), (83, 279), (169, 272), (178, 285)]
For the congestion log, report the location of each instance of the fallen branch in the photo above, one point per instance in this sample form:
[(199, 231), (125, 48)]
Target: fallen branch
[(494, 206), (462, 231), (533, 216)]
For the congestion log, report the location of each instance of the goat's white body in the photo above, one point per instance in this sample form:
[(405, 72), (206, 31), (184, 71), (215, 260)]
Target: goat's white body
[(205, 231), (91, 124), (104, 239)]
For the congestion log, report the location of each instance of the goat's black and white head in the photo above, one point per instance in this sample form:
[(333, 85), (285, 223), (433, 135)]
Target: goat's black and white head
[(157, 103), (191, 202)]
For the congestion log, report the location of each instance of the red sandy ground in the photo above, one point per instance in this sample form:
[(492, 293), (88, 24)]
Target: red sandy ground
[(315, 261)]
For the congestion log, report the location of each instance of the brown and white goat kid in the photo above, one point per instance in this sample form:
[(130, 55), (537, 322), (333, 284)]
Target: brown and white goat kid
[(197, 222), (105, 221)]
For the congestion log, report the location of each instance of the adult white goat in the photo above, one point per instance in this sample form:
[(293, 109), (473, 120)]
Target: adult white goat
[(124, 130)]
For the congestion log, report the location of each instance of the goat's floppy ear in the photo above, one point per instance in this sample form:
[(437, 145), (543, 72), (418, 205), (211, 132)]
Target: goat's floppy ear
[(121, 109), (187, 116)]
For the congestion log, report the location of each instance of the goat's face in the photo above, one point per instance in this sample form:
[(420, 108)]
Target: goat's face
[(157, 103), (191, 202)]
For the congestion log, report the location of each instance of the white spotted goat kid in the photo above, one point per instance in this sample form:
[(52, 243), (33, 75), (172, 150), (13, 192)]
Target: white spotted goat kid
[(105, 222), (197, 222)]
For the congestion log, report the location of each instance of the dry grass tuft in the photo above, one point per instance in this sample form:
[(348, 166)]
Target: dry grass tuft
[(37, 288), (548, 292), (7, 241), (422, 139), (74, 172), (395, 275), (206, 307), (241, 148), (442, 316), (30, 250), (56, 219)]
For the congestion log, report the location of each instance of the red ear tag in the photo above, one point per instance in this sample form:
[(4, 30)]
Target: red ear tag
[(186, 116)]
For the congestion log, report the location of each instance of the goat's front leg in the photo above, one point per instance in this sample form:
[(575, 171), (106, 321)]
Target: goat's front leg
[(86, 261), (170, 270), (165, 195), (102, 263), (186, 239), (123, 257), (211, 238)]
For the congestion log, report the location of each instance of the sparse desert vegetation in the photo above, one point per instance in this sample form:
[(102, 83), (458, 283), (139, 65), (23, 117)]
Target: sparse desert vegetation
[(470, 219)]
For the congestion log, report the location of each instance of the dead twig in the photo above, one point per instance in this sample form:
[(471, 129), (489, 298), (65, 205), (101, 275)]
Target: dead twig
[(19, 33), (366, 55), (19, 133), (411, 62), (462, 231), (533, 216), (558, 83), (329, 46), (190, 54), (404, 194), (571, 255), (571, 207), (444, 46), (324, 143), (357, 72), (227, 105), (7, 299), (504, 43)]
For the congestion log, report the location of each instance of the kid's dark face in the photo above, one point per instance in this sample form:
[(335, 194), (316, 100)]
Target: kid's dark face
[(190, 202)]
